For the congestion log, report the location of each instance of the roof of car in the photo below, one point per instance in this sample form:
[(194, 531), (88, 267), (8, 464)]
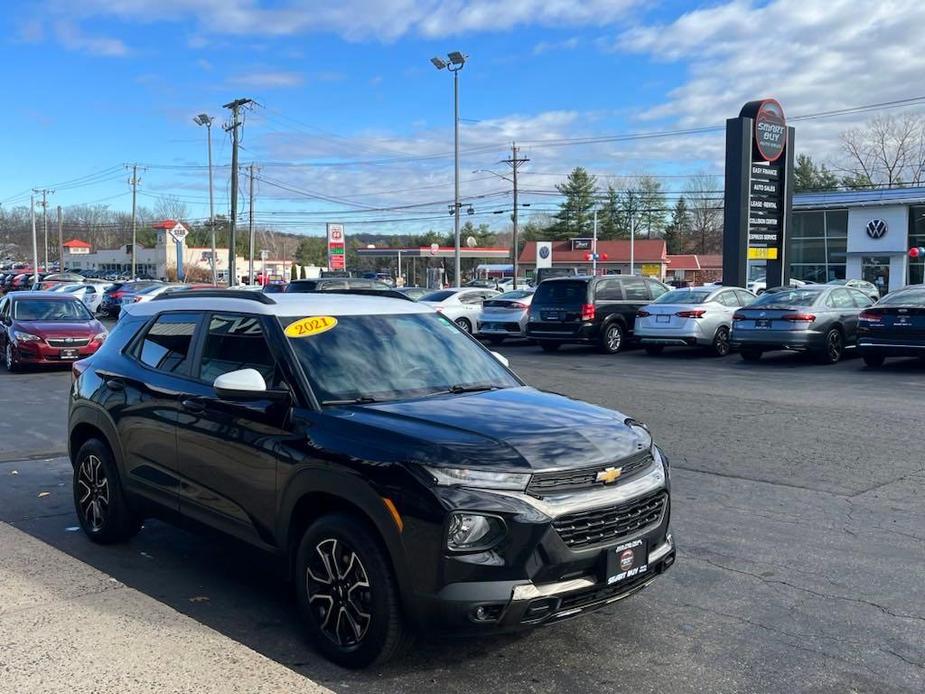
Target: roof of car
[(311, 304), (54, 296)]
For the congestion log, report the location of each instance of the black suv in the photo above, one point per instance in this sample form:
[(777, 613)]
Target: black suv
[(404, 476), (589, 310)]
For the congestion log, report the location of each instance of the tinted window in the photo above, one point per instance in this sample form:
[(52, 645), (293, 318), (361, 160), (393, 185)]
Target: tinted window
[(511, 296), (166, 346), (840, 298), (635, 289), (608, 290), (561, 292), (804, 296), (302, 287), (860, 298), (50, 309), (907, 297), (657, 288), (438, 296), (233, 343)]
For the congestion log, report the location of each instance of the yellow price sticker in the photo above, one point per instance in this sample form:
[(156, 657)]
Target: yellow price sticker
[(312, 325)]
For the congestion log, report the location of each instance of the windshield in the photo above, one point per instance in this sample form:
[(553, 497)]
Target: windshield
[(803, 296), (50, 309), (683, 296), (393, 357), (907, 297), (438, 296)]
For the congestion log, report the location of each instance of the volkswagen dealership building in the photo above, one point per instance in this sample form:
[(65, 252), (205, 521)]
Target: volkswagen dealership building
[(858, 235)]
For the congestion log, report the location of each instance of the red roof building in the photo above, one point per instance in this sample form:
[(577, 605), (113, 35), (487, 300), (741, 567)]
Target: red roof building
[(649, 256), (76, 243), (694, 269)]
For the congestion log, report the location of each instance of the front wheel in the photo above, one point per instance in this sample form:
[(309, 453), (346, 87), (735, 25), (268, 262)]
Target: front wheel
[(347, 593), (613, 338), (464, 324), (98, 499), (874, 361), (9, 358), (720, 344)]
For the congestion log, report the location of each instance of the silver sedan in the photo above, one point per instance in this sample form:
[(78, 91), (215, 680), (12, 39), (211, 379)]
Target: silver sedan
[(505, 316), (695, 316)]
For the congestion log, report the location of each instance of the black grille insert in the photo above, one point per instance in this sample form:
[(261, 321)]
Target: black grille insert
[(590, 528), (543, 483)]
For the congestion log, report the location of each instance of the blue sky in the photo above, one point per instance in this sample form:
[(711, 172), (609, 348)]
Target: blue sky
[(343, 86)]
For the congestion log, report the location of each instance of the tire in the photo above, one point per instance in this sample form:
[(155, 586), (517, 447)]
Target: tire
[(464, 324), (495, 340), (613, 338), (98, 497), (833, 349), (874, 360), (750, 354), (352, 641), (653, 350), (9, 358), (549, 346), (721, 346)]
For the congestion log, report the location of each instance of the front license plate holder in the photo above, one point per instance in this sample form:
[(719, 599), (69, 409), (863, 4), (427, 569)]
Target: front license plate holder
[(69, 354), (626, 561)]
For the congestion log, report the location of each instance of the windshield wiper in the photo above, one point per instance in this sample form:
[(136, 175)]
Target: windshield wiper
[(350, 401), (460, 388)]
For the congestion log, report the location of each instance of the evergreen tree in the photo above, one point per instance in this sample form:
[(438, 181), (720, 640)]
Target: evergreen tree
[(610, 224), (808, 176), (293, 272), (575, 212), (653, 211), (678, 230), (857, 181)]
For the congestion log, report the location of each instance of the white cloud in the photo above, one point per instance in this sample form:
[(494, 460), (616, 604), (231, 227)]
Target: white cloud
[(73, 38), (550, 46)]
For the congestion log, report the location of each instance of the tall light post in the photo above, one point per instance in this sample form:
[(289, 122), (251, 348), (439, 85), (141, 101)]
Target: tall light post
[(206, 120), (454, 63)]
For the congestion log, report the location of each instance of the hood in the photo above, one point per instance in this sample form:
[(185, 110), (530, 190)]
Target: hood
[(514, 429), (59, 328)]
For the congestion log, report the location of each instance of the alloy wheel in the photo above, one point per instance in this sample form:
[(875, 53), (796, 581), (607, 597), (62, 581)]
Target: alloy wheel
[(721, 342), (8, 356), (614, 338), (339, 592), (834, 346), (464, 324), (93, 487)]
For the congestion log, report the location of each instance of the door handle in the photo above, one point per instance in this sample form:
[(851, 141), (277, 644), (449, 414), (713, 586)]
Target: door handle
[(192, 406)]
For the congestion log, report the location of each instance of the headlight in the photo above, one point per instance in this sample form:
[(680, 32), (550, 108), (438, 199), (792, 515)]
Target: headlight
[(20, 336), (469, 532), (464, 477), (640, 429)]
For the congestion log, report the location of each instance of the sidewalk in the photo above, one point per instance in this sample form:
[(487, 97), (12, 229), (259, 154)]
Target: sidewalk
[(66, 627)]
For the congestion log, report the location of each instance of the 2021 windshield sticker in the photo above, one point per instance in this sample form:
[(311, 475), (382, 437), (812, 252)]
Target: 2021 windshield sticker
[(309, 326)]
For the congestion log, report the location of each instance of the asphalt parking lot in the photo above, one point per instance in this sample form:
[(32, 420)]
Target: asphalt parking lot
[(798, 511)]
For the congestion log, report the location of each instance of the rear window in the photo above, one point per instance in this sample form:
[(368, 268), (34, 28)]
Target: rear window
[(907, 297), (803, 296), (301, 287), (683, 296), (561, 292)]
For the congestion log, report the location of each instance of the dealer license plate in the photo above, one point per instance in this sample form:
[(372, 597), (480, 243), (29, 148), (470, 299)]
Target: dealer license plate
[(763, 323), (69, 354), (627, 561)]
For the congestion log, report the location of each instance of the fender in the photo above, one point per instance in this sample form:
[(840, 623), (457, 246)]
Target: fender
[(88, 412)]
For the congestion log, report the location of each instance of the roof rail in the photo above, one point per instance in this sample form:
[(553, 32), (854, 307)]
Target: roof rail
[(259, 297), (381, 293)]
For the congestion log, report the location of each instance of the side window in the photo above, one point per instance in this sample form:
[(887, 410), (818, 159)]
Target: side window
[(861, 299), (635, 289), (842, 299), (728, 299), (657, 288), (744, 297), (470, 298), (4, 307), (236, 342), (608, 290), (167, 344)]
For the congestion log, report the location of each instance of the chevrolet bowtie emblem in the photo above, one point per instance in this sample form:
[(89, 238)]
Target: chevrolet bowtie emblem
[(609, 475)]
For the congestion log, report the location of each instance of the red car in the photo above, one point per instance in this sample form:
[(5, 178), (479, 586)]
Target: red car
[(46, 328)]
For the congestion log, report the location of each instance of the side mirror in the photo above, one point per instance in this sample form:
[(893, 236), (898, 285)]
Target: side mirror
[(503, 359), (244, 383)]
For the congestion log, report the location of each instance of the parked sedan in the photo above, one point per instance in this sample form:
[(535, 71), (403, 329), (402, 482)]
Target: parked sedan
[(46, 328), (90, 294), (695, 316), (818, 318), (462, 305), (893, 327), (505, 315), (414, 293)]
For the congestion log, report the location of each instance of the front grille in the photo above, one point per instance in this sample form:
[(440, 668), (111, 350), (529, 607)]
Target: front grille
[(613, 523), (543, 483), (67, 342)]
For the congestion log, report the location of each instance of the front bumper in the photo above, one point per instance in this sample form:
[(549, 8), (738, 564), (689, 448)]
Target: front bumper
[(40, 353)]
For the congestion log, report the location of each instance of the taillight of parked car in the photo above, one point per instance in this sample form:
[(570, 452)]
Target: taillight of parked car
[(587, 312), (693, 313), (871, 314), (643, 314), (739, 316), (798, 317)]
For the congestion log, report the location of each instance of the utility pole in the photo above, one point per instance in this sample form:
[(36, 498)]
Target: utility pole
[(134, 181), (60, 239), (235, 107), (35, 242), (44, 204), (250, 228), (515, 163)]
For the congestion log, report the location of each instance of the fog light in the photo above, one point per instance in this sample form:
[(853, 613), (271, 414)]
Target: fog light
[(486, 613)]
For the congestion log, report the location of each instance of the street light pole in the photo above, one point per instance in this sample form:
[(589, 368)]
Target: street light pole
[(206, 120)]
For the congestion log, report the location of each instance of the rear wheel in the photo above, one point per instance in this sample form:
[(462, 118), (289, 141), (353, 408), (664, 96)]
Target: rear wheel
[(874, 360), (652, 350), (750, 354), (613, 338), (833, 347), (720, 344), (549, 346), (347, 593), (464, 324), (98, 499)]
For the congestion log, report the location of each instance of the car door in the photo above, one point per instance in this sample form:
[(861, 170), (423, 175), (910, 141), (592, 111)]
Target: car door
[(636, 294), (607, 297), (140, 395), (847, 311), (228, 449), (5, 304)]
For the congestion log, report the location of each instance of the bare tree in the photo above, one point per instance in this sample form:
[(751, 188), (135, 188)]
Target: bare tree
[(705, 206), (888, 150), (171, 207)]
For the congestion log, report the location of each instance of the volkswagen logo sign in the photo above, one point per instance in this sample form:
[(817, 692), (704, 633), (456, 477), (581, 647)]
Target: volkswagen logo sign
[(876, 228), (544, 252)]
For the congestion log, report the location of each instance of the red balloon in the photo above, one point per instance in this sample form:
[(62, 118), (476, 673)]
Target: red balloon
[(913, 252), (603, 256), (587, 256)]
